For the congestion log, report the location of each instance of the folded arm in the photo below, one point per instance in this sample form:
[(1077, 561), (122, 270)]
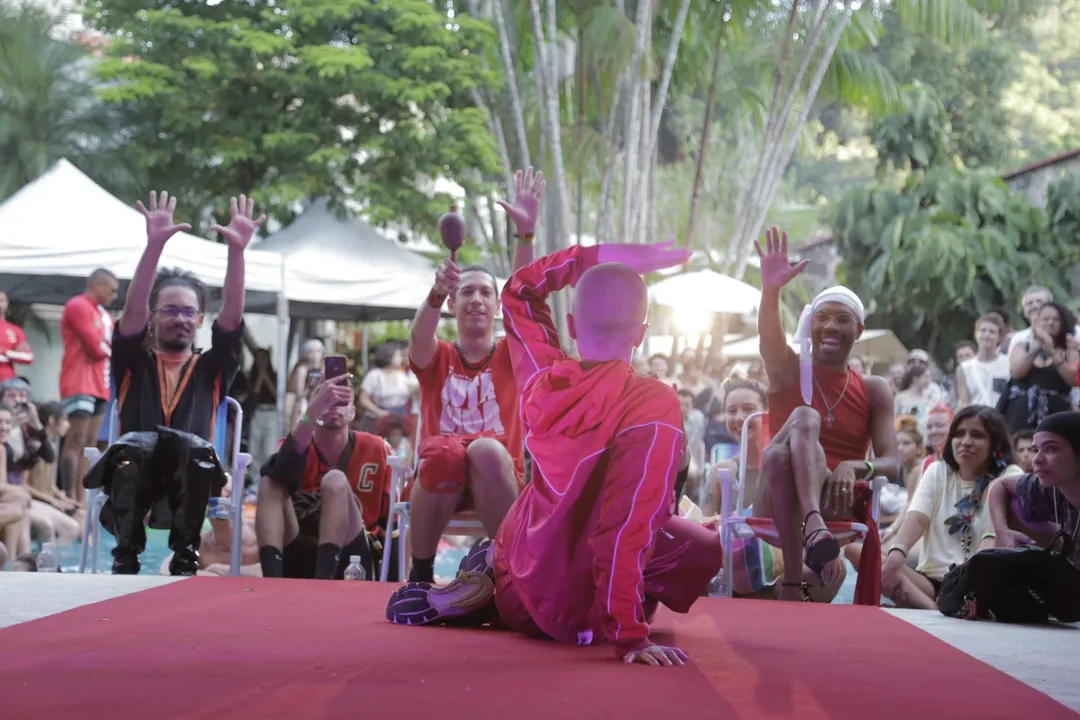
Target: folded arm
[(81, 320), (635, 503), (530, 331), (22, 352)]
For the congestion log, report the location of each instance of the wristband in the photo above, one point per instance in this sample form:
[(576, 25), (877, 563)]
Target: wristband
[(869, 470), (305, 419), (526, 238), (989, 536), (436, 299), (900, 550)]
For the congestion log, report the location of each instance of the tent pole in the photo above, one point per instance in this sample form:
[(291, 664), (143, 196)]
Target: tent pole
[(283, 353)]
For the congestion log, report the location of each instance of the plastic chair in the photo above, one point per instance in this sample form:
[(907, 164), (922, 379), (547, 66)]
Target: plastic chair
[(236, 468), (736, 525), (464, 523)]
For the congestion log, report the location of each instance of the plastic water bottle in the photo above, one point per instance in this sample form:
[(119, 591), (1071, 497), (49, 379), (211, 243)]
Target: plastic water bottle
[(47, 559), (355, 571), (218, 509)]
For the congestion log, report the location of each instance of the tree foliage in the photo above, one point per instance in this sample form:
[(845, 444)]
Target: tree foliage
[(347, 99), (934, 255), (917, 136), (49, 109)]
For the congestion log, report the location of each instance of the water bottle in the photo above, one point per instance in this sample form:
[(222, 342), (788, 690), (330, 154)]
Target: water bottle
[(218, 509), (355, 571), (47, 559)]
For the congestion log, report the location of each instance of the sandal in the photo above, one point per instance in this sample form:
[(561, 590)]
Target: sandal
[(805, 590), (819, 553)]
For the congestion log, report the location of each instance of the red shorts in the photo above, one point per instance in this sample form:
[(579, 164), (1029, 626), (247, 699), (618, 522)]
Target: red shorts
[(444, 467)]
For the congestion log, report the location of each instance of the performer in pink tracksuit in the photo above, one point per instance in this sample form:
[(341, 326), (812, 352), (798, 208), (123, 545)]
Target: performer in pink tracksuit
[(590, 547)]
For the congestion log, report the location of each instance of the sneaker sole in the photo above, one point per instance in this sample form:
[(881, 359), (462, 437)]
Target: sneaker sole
[(480, 559), (421, 603)]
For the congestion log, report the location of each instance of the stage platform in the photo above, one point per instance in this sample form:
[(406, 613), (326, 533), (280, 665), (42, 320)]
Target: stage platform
[(103, 646)]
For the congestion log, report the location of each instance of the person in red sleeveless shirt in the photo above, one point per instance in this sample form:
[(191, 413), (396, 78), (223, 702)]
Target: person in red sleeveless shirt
[(86, 328), (591, 547), (827, 418), (13, 345), (324, 490), (471, 451)]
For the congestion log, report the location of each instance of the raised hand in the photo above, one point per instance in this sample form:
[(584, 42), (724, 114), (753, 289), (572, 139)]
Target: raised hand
[(241, 228), (645, 258), (776, 270), (657, 656), (447, 278), (528, 192), (335, 391), (159, 218)]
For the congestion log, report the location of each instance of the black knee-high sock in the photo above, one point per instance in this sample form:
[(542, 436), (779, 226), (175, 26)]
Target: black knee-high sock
[(327, 558), (423, 569), (680, 485), (273, 565)]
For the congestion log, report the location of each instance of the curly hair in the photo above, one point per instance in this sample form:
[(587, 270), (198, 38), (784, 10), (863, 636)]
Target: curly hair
[(175, 277)]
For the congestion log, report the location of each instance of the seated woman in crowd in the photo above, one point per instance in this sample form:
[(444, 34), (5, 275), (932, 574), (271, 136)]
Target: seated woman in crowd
[(1043, 370), (757, 565), (948, 511), (14, 502), (27, 446), (387, 388), (42, 476), (911, 446), (1042, 503)]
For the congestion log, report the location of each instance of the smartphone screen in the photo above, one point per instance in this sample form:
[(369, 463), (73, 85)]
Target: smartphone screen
[(336, 366)]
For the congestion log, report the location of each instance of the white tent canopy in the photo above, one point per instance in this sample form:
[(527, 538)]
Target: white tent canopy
[(58, 229), (344, 269), (706, 290)]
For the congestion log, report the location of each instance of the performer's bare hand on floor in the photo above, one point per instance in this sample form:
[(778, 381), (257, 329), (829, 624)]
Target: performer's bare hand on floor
[(657, 656)]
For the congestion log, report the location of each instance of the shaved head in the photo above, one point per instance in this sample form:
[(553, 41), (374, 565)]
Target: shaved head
[(611, 303)]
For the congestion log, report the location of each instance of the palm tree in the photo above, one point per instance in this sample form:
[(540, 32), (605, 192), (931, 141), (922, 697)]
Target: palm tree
[(49, 108)]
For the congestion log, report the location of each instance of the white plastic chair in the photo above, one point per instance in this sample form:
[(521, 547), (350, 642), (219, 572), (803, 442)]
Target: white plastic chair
[(236, 468), (460, 524), (735, 525)]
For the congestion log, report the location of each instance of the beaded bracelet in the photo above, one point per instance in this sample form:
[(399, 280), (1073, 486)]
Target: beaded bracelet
[(435, 299)]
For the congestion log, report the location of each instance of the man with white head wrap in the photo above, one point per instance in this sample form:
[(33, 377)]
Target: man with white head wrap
[(824, 419)]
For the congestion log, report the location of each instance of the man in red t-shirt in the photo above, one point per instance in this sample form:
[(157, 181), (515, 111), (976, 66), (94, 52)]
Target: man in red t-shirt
[(590, 548), (13, 345), (324, 490), (86, 328), (471, 452)]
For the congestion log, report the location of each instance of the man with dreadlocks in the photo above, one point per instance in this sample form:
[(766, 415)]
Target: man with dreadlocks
[(163, 380)]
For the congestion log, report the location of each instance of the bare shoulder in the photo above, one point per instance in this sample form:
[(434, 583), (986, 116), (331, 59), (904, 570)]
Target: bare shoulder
[(879, 393)]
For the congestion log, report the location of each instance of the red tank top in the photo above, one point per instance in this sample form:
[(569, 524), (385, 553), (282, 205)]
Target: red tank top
[(849, 436)]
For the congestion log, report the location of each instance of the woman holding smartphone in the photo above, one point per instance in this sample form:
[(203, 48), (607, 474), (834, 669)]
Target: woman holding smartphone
[(1043, 370)]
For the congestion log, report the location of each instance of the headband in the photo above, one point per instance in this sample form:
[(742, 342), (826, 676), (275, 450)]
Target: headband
[(835, 294)]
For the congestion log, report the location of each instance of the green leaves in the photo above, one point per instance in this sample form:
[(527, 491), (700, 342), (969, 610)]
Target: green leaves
[(950, 245), (354, 99)]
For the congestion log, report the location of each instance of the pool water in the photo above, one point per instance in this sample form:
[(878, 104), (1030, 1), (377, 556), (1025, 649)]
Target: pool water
[(157, 549), (446, 561)]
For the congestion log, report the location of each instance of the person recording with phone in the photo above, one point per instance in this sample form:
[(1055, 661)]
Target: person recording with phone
[(1043, 370), (325, 490)]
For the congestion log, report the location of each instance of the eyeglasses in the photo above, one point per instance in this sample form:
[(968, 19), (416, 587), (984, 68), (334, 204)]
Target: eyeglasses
[(173, 311)]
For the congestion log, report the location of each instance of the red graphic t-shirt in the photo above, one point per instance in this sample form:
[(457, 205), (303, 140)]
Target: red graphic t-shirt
[(459, 400), (86, 329), (12, 338)]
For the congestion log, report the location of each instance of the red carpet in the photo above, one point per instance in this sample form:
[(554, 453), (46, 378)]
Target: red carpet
[(235, 647)]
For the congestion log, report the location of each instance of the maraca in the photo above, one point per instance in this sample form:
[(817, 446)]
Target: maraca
[(452, 230)]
